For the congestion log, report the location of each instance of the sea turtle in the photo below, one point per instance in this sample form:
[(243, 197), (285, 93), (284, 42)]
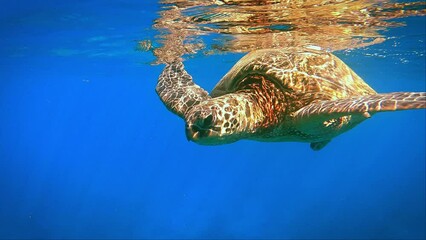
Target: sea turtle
[(301, 95)]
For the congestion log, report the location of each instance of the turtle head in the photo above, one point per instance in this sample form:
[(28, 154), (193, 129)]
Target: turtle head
[(217, 121), (253, 110)]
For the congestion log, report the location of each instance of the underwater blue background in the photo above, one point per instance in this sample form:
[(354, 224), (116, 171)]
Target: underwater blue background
[(87, 149)]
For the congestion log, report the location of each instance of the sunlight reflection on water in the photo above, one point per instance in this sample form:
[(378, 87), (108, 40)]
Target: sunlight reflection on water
[(212, 27)]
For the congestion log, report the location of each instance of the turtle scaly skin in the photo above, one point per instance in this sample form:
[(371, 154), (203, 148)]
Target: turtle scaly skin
[(253, 109), (278, 95), (177, 90)]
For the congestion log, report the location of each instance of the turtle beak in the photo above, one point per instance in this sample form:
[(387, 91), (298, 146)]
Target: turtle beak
[(195, 133), (191, 135), (199, 128)]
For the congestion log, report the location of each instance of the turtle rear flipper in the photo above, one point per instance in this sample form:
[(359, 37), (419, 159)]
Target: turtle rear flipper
[(316, 146), (337, 116), (177, 90)]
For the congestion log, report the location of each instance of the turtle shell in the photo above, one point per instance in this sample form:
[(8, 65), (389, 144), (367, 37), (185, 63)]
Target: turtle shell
[(300, 70)]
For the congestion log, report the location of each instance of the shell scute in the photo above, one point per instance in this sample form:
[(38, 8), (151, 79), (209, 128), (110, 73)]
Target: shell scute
[(297, 70)]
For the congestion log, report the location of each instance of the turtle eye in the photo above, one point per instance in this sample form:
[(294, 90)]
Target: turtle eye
[(208, 121), (204, 123)]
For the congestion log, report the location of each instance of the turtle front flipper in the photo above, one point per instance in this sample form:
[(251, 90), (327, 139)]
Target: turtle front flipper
[(363, 105), (327, 119), (177, 90)]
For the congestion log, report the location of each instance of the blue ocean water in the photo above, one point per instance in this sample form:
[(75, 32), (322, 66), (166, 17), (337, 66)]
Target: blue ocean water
[(87, 149)]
